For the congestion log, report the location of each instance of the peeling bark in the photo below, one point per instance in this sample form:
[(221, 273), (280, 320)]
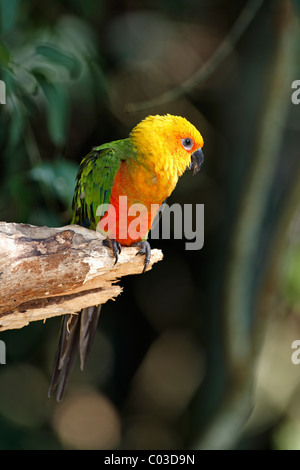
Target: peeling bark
[(46, 272)]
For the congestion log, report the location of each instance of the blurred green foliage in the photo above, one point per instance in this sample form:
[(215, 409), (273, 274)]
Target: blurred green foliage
[(47, 69), (168, 367), (291, 276)]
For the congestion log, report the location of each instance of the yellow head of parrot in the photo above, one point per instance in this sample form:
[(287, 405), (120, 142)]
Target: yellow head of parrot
[(167, 143)]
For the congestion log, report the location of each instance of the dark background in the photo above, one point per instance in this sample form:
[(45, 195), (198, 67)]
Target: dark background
[(197, 352)]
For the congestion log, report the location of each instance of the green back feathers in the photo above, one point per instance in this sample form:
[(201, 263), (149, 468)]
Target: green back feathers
[(95, 181)]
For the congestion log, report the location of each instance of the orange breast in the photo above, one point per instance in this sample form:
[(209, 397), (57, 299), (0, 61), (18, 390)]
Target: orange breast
[(133, 206)]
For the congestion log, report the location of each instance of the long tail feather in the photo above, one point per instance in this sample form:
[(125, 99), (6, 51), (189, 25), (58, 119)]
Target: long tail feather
[(88, 326), (77, 332)]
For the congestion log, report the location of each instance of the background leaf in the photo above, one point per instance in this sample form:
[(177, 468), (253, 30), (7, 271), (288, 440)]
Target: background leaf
[(57, 110), (58, 178), (57, 57), (4, 55), (8, 14)]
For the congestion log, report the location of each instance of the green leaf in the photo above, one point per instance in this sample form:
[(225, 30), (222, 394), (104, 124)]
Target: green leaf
[(8, 14), (57, 108), (4, 55), (15, 129), (71, 63), (58, 179)]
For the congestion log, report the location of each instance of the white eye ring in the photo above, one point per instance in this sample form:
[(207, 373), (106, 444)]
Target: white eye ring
[(187, 143)]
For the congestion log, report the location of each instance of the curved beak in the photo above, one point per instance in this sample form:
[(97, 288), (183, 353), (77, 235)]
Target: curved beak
[(196, 161)]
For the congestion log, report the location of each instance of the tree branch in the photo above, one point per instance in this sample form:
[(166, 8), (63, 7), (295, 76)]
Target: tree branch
[(206, 70), (46, 272)]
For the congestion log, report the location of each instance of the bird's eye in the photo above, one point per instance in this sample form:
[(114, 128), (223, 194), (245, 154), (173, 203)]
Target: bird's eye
[(187, 143)]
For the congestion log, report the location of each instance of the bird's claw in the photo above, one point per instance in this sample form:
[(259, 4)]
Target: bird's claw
[(145, 249), (115, 246)]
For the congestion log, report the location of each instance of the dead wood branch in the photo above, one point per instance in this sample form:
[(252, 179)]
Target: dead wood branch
[(46, 272)]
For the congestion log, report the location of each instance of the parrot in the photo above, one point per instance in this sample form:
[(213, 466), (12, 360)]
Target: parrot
[(144, 168)]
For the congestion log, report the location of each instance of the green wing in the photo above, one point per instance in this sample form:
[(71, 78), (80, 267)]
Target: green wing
[(95, 181)]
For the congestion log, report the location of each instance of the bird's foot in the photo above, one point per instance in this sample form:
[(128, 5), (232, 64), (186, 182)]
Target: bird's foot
[(145, 249), (115, 246)]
